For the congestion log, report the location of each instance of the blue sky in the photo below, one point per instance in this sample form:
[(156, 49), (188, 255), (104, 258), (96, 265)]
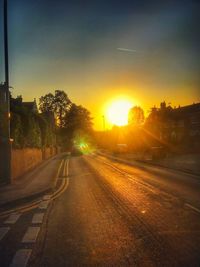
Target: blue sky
[(72, 45)]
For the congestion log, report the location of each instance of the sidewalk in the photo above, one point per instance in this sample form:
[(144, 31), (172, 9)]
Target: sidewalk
[(32, 185), (185, 163)]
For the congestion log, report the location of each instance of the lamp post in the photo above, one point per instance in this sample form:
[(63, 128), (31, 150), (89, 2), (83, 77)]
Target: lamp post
[(5, 151)]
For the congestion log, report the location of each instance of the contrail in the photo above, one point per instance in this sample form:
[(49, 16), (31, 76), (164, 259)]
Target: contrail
[(126, 50)]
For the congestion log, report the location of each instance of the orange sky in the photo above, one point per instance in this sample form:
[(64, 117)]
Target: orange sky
[(99, 95)]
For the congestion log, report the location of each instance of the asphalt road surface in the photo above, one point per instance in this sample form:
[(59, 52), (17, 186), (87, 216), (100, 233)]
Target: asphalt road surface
[(112, 214)]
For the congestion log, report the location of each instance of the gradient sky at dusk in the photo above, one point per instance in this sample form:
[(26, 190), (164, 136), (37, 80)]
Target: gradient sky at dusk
[(73, 46)]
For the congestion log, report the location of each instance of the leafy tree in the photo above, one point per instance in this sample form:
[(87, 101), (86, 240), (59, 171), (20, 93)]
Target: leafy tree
[(59, 103), (47, 128), (71, 119), (136, 116), (77, 122), (78, 118), (33, 137), (26, 125), (16, 129), (46, 103)]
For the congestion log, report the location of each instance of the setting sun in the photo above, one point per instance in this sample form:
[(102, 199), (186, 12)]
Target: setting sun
[(117, 112)]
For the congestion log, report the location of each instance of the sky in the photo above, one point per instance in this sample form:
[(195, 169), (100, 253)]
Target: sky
[(95, 51)]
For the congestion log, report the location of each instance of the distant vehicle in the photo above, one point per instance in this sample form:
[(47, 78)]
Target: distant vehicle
[(75, 151)]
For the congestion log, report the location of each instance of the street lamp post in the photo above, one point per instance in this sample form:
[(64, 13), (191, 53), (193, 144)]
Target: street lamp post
[(5, 151)]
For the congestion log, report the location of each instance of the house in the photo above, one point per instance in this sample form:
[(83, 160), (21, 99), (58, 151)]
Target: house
[(30, 106), (183, 127)]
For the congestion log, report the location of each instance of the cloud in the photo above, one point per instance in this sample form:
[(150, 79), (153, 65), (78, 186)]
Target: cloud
[(126, 50)]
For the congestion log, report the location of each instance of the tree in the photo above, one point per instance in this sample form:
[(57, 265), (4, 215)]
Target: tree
[(30, 129), (47, 128), (46, 103), (78, 118), (136, 116), (77, 122), (16, 129), (62, 105), (72, 120), (33, 137), (59, 103)]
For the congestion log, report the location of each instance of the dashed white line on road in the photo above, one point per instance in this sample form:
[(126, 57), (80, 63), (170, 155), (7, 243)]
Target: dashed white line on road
[(31, 235), (47, 197), (38, 218), (3, 231), (12, 218), (192, 207), (21, 258), (44, 204)]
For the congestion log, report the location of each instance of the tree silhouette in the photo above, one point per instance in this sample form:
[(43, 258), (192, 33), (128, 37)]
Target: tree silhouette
[(59, 104), (46, 103), (78, 118), (136, 116)]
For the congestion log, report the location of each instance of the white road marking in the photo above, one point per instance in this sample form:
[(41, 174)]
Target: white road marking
[(31, 235), (38, 218), (3, 232), (44, 204), (47, 197), (12, 218), (192, 207), (21, 258)]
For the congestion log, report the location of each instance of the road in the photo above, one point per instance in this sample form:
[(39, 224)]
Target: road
[(113, 214)]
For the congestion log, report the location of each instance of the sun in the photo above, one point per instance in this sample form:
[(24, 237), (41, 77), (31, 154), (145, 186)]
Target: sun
[(117, 112)]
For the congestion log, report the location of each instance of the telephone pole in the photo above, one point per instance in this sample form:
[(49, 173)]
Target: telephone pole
[(5, 143), (6, 44), (104, 124)]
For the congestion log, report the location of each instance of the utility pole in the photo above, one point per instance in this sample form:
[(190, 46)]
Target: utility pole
[(104, 126), (5, 143), (6, 44)]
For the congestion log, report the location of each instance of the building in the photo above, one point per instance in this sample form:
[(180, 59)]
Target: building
[(30, 106), (183, 127)]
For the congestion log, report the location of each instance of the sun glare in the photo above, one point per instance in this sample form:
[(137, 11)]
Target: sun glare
[(117, 112)]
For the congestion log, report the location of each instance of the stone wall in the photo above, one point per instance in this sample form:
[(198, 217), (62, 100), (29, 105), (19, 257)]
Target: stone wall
[(48, 152), (27, 158), (24, 160)]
